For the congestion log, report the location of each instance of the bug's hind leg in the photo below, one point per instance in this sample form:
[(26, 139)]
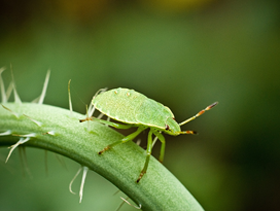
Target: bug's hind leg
[(149, 151), (162, 148), (125, 139)]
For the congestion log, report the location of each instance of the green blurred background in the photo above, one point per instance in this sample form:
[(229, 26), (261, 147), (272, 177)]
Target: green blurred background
[(185, 54)]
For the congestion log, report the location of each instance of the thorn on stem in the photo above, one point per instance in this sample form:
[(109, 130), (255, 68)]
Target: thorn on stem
[(16, 96), (33, 120), (2, 87), (21, 141), (85, 170), (43, 94), (14, 113), (70, 185), (8, 132), (69, 96)]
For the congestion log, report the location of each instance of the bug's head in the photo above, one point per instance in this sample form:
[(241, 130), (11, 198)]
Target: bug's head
[(172, 127)]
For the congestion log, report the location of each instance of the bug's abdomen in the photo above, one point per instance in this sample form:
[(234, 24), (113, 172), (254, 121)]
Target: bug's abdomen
[(119, 104)]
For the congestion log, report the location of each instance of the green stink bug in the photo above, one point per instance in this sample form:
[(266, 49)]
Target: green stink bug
[(136, 110)]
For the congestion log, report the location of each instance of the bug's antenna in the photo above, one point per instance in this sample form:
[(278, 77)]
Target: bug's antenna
[(198, 114)]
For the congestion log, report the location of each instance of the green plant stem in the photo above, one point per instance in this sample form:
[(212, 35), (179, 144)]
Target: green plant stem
[(158, 189)]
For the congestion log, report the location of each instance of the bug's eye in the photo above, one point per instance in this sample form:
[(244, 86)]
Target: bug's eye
[(167, 127)]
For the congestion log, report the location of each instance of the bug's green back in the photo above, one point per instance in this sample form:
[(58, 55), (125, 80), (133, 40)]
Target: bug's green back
[(129, 106), (119, 104)]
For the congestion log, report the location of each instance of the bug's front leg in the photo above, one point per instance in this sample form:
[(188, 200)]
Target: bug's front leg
[(149, 152)]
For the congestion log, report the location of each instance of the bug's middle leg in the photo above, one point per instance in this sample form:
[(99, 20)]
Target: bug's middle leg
[(149, 152), (125, 139)]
